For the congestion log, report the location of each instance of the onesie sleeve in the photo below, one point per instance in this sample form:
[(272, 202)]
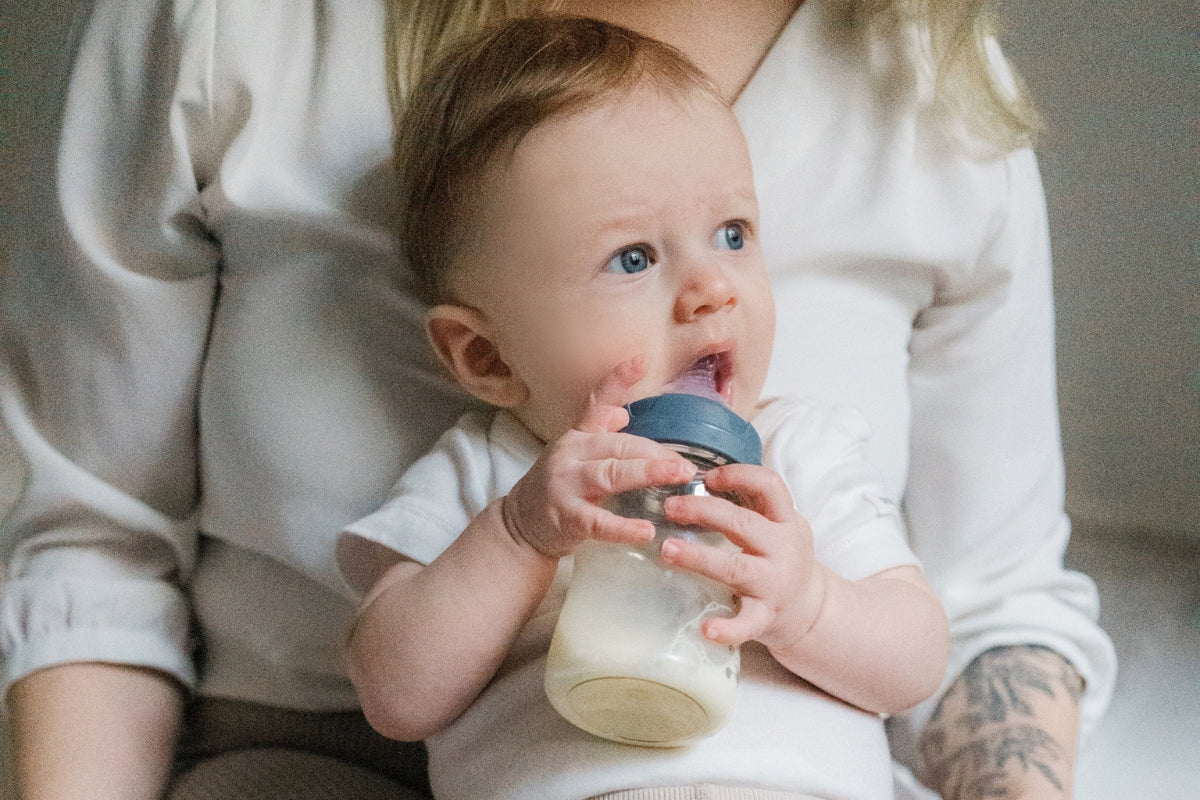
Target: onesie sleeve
[(984, 500), (430, 505), (820, 451), (104, 315)]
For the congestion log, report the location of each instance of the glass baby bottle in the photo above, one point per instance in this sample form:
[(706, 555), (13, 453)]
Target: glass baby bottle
[(627, 661)]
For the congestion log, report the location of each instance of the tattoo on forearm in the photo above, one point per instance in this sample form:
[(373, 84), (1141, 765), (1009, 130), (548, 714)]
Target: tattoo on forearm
[(983, 767), (999, 683), (985, 737)]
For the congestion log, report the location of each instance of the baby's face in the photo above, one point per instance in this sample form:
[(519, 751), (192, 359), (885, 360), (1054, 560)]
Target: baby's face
[(629, 229)]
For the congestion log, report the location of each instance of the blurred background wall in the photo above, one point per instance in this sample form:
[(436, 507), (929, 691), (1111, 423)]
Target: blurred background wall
[(1117, 83)]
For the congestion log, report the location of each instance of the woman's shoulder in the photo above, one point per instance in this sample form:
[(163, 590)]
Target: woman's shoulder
[(834, 70), (855, 164), (824, 62), (232, 47)]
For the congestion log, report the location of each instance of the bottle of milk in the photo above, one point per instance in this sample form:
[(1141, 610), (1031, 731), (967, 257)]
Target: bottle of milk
[(627, 661)]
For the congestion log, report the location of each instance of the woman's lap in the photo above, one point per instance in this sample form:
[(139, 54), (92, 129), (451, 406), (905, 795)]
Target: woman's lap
[(231, 749), (703, 791), (279, 774)]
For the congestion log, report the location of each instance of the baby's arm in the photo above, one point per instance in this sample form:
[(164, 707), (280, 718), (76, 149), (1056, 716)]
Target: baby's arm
[(880, 643), (427, 640)]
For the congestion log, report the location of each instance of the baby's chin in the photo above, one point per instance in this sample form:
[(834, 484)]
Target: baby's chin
[(745, 408), (550, 426), (545, 430)]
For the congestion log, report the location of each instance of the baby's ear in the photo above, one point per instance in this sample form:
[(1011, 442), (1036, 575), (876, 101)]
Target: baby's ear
[(461, 337)]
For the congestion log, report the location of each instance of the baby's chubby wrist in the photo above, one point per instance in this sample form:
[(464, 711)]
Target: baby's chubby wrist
[(800, 621), (518, 529)]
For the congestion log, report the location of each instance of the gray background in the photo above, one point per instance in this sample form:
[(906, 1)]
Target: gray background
[(1117, 83)]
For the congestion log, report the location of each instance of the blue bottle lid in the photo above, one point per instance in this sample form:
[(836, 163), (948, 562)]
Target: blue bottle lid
[(689, 419)]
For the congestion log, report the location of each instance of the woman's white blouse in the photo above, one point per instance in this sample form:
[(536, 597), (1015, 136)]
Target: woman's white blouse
[(212, 362)]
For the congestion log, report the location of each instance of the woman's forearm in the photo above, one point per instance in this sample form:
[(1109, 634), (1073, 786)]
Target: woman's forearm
[(94, 730), (1006, 727)]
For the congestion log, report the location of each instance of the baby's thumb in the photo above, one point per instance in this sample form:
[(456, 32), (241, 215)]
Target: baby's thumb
[(611, 393), (603, 419)]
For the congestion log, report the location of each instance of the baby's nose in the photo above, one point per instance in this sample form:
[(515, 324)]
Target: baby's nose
[(704, 289)]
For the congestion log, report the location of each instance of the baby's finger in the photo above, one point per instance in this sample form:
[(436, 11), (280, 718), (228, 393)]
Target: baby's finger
[(743, 573), (757, 488), (614, 388), (744, 527), (605, 526), (599, 455), (627, 445), (609, 476), (603, 419), (751, 621), (604, 410)]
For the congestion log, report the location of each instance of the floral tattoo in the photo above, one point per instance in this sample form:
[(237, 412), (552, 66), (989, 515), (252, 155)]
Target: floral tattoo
[(985, 739)]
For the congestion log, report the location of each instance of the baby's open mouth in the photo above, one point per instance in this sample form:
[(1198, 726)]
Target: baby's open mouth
[(707, 377)]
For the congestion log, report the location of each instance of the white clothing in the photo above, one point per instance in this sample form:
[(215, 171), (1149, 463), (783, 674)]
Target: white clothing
[(511, 744), (212, 362)]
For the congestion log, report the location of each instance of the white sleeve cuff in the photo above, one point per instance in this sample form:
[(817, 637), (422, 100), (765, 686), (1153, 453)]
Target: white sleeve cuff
[(47, 623)]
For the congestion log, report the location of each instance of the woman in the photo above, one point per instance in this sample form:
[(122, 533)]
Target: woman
[(199, 369)]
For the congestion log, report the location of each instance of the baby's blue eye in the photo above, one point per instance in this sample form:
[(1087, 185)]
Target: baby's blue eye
[(730, 237), (629, 261)]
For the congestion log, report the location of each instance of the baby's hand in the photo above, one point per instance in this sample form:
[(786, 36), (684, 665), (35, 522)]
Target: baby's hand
[(558, 503), (776, 576)]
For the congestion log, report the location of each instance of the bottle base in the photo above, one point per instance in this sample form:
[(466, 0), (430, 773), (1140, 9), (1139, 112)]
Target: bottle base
[(634, 711)]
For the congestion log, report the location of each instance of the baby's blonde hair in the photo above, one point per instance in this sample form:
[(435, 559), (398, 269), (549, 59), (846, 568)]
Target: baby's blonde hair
[(486, 93), (970, 84)]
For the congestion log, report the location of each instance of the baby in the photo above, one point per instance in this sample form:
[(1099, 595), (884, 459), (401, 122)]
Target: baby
[(579, 211)]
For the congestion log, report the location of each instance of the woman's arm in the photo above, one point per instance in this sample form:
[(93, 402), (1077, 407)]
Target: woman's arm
[(985, 511), (1006, 727), (104, 311), (94, 730)]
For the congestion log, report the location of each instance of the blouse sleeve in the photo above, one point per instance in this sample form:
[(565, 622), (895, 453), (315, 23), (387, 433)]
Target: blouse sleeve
[(984, 499), (104, 314)]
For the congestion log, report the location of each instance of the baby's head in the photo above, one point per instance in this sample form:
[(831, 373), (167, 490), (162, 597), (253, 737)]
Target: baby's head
[(576, 197)]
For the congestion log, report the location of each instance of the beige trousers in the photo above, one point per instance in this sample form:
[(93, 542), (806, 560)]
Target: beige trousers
[(703, 791), (241, 751)]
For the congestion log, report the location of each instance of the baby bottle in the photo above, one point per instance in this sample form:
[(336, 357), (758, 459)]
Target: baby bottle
[(627, 661)]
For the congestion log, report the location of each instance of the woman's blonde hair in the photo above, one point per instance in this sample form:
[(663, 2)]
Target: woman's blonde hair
[(971, 84), (419, 32), (477, 102)]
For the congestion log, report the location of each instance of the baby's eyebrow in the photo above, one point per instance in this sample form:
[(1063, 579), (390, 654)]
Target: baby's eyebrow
[(600, 231), (748, 196)]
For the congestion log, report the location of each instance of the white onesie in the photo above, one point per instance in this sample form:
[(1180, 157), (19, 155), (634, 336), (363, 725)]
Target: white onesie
[(784, 733)]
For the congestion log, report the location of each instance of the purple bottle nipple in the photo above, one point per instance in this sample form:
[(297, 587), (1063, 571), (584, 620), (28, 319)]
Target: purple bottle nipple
[(699, 380)]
